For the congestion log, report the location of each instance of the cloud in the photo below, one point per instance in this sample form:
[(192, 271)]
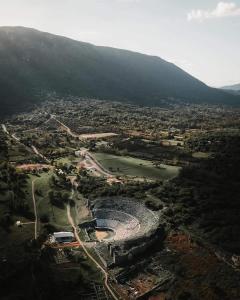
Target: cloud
[(222, 10)]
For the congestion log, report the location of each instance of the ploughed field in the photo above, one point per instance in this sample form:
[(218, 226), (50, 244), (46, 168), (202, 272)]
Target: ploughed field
[(126, 165)]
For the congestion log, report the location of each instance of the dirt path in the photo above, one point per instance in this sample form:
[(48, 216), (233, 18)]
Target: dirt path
[(34, 208), (65, 127), (36, 128), (89, 136), (70, 219), (97, 165), (5, 128), (12, 135), (35, 150), (15, 137), (84, 136)]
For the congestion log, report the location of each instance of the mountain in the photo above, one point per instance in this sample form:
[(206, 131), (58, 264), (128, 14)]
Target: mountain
[(235, 87), (34, 63), (232, 89)]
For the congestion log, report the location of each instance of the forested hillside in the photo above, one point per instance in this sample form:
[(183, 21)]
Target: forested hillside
[(35, 64)]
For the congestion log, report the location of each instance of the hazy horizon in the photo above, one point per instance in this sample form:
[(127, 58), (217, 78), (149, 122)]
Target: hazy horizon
[(199, 37)]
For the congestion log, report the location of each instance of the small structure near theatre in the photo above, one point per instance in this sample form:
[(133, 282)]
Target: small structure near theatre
[(62, 237)]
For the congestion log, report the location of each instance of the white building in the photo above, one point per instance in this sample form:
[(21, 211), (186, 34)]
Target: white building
[(62, 237)]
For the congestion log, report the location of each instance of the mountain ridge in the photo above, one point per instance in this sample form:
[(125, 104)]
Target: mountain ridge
[(34, 63), (234, 87)]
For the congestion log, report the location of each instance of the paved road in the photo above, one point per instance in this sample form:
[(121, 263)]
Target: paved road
[(108, 287)]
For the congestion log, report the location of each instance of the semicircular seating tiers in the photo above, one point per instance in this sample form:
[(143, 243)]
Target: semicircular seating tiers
[(126, 217)]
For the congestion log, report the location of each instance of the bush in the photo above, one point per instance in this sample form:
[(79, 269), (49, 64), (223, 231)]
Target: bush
[(48, 228), (44, 218), (71, 202), (6, 220), (153, 205)]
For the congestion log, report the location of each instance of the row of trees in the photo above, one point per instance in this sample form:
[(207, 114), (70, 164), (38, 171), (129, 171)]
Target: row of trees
[(59, 198), (92, 187)]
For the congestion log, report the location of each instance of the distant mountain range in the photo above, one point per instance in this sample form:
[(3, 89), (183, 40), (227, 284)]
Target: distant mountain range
[(34, 63), (233, 89)]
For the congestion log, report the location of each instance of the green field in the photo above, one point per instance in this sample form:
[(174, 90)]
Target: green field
[(127, 165), (64, 160), (57, 216)]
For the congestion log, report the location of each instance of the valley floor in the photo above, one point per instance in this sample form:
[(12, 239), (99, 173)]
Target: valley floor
[(180, 164)]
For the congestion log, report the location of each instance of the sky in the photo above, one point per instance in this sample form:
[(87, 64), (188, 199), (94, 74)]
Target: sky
[(201, 37)]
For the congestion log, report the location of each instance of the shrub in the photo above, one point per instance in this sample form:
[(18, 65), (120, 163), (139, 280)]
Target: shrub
[(44, 218)]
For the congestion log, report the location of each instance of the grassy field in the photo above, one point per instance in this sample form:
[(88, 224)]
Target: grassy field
[(12, 241), (64, 160), (56, 215), (135, 167), (70, 159)]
